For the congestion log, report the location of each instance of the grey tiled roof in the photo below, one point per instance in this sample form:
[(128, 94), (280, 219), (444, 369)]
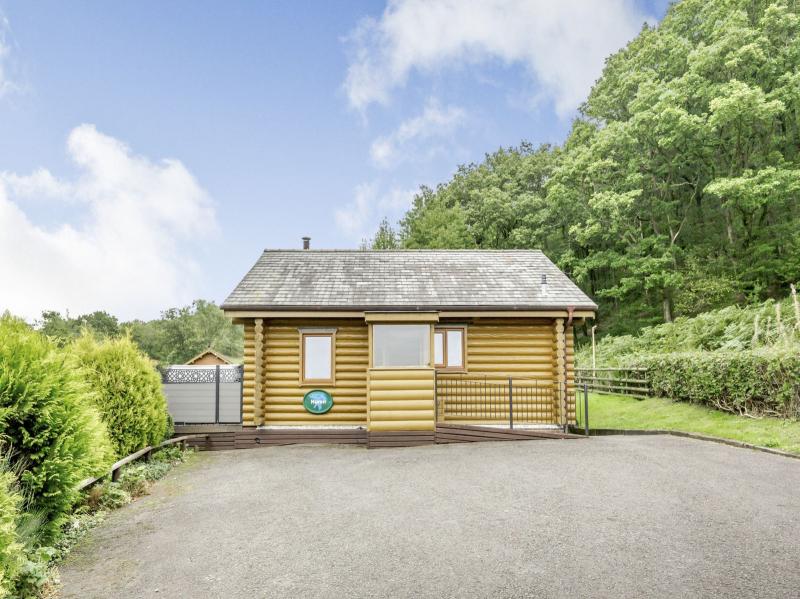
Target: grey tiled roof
[(405, 280)]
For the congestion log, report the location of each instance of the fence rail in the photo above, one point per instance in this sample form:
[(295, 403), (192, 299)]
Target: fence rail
[(145, 453), (622, 381), (508, 401)]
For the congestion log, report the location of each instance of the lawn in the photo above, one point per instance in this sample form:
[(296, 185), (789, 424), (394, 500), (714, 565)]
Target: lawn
[(615, 411)]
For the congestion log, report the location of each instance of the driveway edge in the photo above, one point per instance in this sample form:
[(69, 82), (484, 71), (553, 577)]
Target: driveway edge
[(698, 436)]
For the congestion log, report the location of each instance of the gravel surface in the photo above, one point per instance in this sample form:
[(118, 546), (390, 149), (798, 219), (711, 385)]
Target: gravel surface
[(653, 516)]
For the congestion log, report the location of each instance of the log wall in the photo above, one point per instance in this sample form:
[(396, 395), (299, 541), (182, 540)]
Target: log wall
[(282, 392), (401, 399), (530, 351), (496, 349)]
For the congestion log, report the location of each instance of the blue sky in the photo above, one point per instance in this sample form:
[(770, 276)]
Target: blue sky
[(150, 150)]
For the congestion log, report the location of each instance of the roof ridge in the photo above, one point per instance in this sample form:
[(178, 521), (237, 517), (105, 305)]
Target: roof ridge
[(403, 250)]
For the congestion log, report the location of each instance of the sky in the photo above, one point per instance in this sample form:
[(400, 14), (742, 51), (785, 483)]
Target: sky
[(149, 151)]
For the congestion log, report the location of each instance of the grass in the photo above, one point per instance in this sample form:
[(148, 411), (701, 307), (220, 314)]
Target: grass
[(620, 412)]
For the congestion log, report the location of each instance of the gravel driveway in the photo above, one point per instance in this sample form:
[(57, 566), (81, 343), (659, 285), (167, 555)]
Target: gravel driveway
[(601, 517)]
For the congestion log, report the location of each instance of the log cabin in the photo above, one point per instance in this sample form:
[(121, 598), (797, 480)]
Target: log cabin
[(403, 340)]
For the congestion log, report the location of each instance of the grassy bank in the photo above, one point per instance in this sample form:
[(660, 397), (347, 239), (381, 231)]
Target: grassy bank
[(614, 411)]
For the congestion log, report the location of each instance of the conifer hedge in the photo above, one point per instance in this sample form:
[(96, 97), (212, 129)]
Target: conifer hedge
[(48, 425), (127, 391), (10, 548), (752, 382)]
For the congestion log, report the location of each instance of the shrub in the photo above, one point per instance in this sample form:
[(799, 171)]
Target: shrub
[(10, 547), (134, 480), (752, 382), (127, 391), (137, 478), (762, 326), (109, 496), (35, 574), (54, 434)]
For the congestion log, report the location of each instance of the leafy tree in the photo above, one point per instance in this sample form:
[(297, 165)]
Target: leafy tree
[(385, 238), (676, 190), (175, 337), (182, 333), (63, 329)]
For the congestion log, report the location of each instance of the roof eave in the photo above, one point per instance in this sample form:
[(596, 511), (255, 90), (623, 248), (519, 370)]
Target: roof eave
[(405, 308)]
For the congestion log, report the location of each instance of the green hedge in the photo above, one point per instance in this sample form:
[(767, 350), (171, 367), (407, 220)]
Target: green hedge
[(10, 547), (48, 425), (127, 391), (755, 382)]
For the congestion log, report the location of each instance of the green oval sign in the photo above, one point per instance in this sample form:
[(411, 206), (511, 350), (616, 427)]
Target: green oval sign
[(317, 401)]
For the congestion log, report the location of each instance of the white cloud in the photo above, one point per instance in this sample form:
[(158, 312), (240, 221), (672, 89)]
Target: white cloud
[(435, 121), (353, 218), (130, 254), (6, 85), (396, 201), (359, 218), (39, 185), (562, 43)]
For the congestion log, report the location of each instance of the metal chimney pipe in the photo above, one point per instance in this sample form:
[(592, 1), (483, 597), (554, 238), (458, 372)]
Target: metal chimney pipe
[(306, 243)]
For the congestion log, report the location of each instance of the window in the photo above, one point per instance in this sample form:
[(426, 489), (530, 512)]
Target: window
[(317, 359), (438, 348), (448, 347), (401, 345)]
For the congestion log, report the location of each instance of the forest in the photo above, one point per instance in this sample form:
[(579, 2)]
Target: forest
[(176, 336), (675, 192)]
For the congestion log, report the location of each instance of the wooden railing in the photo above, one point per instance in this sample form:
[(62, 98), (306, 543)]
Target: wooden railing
[(145, 453), (621, 381)]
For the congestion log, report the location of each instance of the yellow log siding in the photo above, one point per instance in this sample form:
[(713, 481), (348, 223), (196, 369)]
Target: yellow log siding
[(523, 349), (401, 399), (282, 393), (496, 348), (248, 380)]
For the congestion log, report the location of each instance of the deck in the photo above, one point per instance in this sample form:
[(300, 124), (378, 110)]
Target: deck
[(219, 437)]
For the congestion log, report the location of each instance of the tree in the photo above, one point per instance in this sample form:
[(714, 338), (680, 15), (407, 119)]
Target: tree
[(385, 238), (63, 329), (182, 333), (178, 335), (676, 190)]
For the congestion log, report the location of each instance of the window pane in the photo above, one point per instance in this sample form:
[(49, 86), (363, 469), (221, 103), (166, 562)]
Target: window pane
[(455, 349), (438, 348), (318, 357), (401, 345)]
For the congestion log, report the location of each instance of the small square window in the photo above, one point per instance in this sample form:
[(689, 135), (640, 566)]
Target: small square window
[(449, 348)]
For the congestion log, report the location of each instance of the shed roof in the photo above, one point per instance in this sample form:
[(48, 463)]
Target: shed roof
[(405, 280), (214, 353)]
